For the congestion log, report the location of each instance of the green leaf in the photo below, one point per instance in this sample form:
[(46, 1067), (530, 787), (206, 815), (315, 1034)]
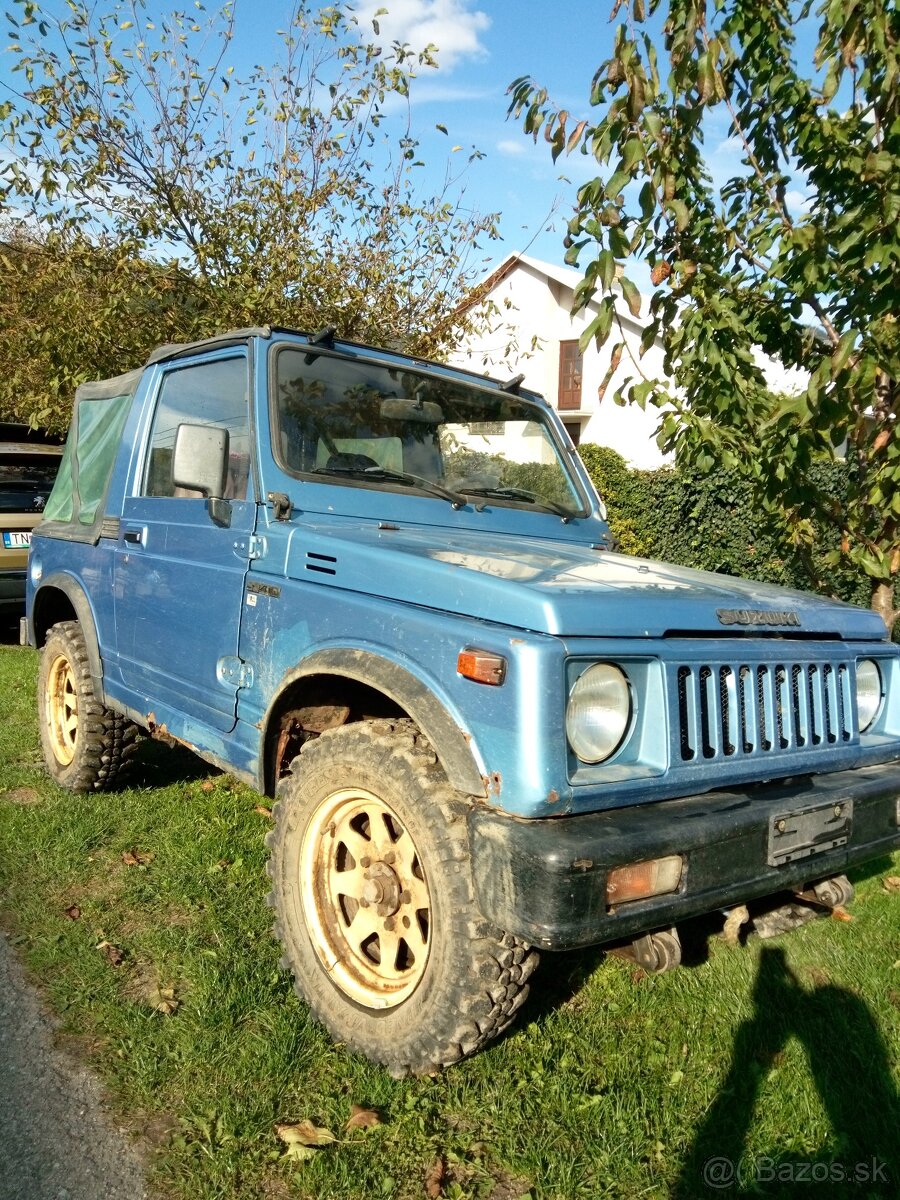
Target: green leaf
[(679, 211), (599, 328), (616, 183), (632, 296), (606, 268), (842, 352)]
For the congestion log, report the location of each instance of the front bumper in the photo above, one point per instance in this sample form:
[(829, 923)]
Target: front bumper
[(545, 880)]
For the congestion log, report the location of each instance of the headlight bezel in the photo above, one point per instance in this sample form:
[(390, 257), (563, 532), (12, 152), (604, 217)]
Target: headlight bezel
[(609, 677), (876, 693)]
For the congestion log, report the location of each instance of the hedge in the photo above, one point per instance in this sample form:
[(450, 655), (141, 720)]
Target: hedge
[(711, 522)]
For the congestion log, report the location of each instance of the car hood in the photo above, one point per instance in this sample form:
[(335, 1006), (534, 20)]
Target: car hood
[(558, 587)]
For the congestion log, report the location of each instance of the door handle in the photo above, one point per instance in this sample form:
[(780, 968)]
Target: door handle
[(135, 536)]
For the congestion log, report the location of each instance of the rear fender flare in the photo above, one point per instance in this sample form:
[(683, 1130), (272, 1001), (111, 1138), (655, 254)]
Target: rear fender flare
[(84, 614)]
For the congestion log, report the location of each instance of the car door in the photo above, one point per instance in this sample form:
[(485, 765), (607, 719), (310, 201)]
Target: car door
[(179, 576)]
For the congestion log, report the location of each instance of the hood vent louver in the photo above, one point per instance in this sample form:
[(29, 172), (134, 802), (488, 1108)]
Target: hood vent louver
[(324, 564)]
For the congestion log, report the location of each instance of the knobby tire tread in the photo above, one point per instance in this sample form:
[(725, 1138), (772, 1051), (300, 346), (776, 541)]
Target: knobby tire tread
[(107, 740), (485, 1000)]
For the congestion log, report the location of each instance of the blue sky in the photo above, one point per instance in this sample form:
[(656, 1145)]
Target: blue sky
[(484, 46)]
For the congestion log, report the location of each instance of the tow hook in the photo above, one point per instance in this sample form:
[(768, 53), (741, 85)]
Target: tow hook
[(826, 896), (832, 893), (654, 952)]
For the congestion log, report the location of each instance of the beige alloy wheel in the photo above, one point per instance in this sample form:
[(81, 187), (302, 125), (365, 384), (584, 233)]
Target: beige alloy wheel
[(61, 709), (366, 898), (375, 904), (86, 745)]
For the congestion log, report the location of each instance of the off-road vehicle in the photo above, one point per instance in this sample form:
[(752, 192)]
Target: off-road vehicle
[(383, 590)]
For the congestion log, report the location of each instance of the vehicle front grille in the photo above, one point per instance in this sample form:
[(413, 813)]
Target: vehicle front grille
[(734, 710)]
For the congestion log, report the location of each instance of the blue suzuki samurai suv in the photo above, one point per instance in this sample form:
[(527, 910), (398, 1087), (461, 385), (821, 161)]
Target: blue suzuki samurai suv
[(383, 590)]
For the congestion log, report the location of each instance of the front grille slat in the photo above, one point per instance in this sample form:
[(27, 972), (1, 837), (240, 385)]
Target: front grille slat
[(817, 701), (749, 710), (739, 710)]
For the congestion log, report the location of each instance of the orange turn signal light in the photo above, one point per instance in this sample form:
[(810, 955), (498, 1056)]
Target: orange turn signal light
[(482, 667), (637, 881)]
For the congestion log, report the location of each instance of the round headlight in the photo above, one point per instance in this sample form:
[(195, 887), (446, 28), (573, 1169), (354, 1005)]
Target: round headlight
[(868, 692), (598, 712)]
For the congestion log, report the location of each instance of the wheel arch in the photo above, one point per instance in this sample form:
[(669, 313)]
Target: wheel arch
[(340, 672), (62, 598)]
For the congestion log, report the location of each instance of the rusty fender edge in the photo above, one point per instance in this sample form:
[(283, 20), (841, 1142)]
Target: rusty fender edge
[(544, 880)]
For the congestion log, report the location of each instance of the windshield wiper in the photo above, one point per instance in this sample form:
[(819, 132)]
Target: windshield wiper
[(457, 499), (515, 493)]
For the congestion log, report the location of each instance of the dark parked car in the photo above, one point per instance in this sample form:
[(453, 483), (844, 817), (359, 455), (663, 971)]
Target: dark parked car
[(29, 461)]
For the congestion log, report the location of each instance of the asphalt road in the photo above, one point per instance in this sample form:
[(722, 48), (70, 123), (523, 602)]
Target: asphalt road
[(57, 1141)]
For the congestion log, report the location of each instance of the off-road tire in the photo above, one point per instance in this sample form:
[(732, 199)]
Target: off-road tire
[(472, 978), (86, 745)]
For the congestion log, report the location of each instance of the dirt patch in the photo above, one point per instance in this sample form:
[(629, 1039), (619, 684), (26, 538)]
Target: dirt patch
[(22, 795)]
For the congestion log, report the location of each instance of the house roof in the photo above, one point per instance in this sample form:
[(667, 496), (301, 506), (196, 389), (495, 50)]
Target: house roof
[(564, 276)]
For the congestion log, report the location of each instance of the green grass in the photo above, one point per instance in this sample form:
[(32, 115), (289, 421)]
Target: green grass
[(613, 1084)]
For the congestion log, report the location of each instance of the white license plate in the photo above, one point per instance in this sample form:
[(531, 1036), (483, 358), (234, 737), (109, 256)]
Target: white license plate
[(16, 541)]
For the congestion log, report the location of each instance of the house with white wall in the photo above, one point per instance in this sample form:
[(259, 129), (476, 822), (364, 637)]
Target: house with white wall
[(534, 333)]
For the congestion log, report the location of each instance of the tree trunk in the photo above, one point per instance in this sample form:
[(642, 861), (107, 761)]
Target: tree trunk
[(883, 603)]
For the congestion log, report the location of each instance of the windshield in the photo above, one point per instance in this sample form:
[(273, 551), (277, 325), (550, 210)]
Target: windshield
[(395, 428)]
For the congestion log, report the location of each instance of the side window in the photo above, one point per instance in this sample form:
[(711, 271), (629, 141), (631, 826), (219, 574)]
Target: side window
[(214, 393)]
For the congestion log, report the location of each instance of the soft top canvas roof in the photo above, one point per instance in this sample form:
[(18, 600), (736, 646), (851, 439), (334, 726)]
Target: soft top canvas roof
[(104, 389), (74, 510), (176, 349)]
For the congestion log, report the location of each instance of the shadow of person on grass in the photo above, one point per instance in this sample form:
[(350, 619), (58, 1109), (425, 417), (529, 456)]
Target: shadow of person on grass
[(849, 1064)]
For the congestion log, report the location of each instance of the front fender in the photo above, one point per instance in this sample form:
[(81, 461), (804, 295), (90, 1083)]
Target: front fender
[(451, 744)]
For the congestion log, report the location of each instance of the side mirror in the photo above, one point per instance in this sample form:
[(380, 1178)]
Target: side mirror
[(200, 463)]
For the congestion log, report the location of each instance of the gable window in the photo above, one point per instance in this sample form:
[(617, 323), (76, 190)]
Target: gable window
[(570, 369)]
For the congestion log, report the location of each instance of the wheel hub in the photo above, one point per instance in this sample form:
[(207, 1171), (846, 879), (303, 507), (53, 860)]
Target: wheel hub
[(382, 889)]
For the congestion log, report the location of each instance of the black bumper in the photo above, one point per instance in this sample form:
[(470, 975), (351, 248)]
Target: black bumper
[(545, 880)]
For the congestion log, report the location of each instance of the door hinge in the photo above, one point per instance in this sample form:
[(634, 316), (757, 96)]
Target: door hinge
[(234, 672), (253, 547)]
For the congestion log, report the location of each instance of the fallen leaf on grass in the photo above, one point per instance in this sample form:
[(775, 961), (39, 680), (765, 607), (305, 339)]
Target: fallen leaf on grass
[(840, 914), (207, 785), (362, 1118), (304, 1138), (162, 1000), (891, 884), (262, 810), (434, 1180), (22, 796), (137, 858), (73, 912), (111, 953)]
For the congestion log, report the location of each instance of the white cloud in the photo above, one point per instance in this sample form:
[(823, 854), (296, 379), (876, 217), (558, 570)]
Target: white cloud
[(798, 202), (448, 24), (511, 149)]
